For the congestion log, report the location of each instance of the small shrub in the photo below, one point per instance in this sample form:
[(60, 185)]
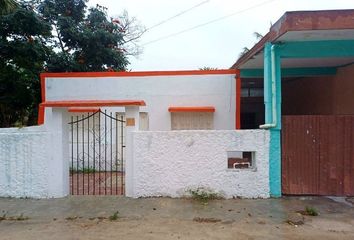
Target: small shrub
[(203, 194), (114, 217), (311, 211)]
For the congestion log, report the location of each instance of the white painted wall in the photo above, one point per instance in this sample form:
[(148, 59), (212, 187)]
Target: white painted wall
[(169, 163), (28, 167), (159, 93)]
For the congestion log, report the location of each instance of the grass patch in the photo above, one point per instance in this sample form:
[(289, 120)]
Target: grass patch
[(203, 194), (206, 220), (114, 217), (13, 218), (311, 211)]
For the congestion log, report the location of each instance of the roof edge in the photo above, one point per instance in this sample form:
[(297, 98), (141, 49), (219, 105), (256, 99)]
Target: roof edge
[(300, 21)]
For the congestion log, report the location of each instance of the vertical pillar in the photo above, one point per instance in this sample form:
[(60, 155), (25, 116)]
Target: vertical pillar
[(132, 124), (267, 83), (56, 122), (272, 72), (238, 100)]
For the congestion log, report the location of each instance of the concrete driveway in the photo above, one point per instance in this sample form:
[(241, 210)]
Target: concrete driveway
[(104, 217)]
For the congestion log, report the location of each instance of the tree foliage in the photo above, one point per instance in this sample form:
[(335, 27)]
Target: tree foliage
[(57, 36), (7, 6), (22, 56), (83, 42)]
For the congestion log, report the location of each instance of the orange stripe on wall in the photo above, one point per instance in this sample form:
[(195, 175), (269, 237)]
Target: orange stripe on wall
[(192, 109), (139, 74), (93, 103)]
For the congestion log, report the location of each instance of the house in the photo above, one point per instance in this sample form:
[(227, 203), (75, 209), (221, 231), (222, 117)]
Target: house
[(99, 113), (280, 121), (305, 67)]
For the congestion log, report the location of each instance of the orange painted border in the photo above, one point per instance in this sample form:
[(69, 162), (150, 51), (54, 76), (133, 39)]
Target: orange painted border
[(42, 78), (238, 100), (83, 109), (93, 103), (192, 109), (139, 74), (40, 120)]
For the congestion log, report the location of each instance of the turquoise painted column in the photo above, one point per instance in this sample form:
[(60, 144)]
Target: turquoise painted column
[(273, 115), (267, 81)]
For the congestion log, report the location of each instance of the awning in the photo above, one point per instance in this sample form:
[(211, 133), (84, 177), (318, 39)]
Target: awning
[(192, 109), (83, 109), (93, 103)]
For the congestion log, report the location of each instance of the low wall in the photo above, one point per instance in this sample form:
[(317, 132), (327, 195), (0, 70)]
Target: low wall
[(26, 162), (169, 163)]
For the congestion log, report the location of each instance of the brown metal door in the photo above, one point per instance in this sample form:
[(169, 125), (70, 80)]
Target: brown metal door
[(318, 155)]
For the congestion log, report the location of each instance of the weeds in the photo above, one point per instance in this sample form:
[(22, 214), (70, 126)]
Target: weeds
[(206, 220), (13, 218), (310, 211), (71, 218), (203, 194), (114, 217)]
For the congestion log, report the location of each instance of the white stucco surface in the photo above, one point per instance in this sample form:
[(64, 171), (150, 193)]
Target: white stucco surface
[(27, 162), (170, 163), (159, 93)]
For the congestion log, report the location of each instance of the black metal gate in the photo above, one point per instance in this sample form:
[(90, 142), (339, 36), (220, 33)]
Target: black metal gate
[(97, 154)]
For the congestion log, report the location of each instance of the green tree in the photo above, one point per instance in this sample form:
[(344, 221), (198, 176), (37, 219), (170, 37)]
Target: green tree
[(7, 6), (91, 42), (56, 36), (22, 57)]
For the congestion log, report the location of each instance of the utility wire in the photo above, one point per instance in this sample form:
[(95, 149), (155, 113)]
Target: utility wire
[(209, 22), (177, 15)]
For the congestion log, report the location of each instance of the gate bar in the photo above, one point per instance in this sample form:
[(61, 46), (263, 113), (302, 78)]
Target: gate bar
[(72, 155), (88, 153), (77, 156), (83, 156), (121, 146)]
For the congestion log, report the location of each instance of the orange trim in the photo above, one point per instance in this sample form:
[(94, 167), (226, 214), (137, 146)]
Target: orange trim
[(238, 100), (192, 109), (40, 120), (138, 74), (93, 103), (82, 109), (42, 78)]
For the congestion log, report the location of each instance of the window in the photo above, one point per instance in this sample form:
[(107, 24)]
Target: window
[(240, 160), (252, 92), (192, 120)]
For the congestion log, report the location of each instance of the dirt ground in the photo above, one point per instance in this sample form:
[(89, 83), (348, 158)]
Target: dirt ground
[(83, 217)]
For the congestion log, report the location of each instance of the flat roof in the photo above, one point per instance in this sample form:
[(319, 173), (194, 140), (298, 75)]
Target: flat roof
[(305, 26)]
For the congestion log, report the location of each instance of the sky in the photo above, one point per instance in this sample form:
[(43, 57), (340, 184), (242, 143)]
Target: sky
[(215, 45)]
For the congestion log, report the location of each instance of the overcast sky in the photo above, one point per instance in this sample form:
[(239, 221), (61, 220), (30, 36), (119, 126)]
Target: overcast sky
[(215, 45)]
